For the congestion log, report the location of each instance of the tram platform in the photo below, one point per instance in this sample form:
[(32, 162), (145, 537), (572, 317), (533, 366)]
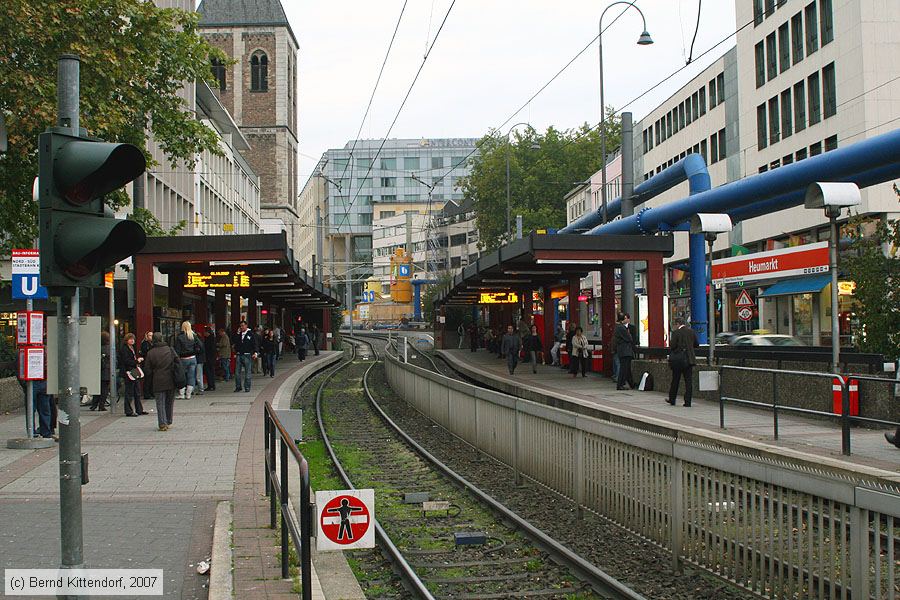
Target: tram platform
[(814, 439)]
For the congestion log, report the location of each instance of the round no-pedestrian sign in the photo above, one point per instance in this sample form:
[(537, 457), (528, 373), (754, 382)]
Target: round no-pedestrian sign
[(345, 519)]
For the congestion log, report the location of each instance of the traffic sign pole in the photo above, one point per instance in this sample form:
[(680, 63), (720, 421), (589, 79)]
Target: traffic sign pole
[(29, 392)]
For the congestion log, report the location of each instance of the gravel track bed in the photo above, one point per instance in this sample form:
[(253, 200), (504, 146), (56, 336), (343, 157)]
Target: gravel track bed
[(635, 562)]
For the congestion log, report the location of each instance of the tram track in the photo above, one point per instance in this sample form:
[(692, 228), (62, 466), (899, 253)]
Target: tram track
[(516, 560)]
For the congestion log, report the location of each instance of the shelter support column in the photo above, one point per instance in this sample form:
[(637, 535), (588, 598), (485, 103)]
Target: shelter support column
[(202, 309), (219, 309), (608, 313), (143, 284), (574, 292), (548, 334), (326, 329), (176, 290), (655, 302), (235, 310), (252, 311)]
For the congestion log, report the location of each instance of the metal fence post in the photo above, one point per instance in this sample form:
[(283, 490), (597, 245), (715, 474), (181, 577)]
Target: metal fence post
[(579, 474), (285, 551), (721, 400), (676, 511), (266, 451), (859, 552), (517, 439), (845, 417), (775, 403), (305, 531), (272, 498)]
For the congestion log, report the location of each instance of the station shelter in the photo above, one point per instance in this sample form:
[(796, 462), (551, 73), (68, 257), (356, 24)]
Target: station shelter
[(223, 279), (541, 268)]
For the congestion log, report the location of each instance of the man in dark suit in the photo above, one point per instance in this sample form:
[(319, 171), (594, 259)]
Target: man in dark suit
[(682, 360), (624, 344)]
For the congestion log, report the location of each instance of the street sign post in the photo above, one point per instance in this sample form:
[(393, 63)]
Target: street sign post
[(345, 519), (26, 274)]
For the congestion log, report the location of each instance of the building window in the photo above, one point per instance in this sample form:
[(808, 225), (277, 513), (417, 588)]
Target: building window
[(826, 21), (787, 113), (764, 168), (385, 214), (760, 65), (797, 37), (786, 160), (669, 124), (657, 132), (774, 130), (458, 162), (389, 163), (703, 149), (364, 219), (720, 83), (218, 71), (762, 139), (815, 99), (389, 198), (411, 198), (799, 106), (458, 239), (784, 48), (812, 28), (815, 149), (437, 162), (389, 182), (713, 148), (713, 96), (259, 72), (771, 56), (411, 163), (689, 110), (644, 141), (831, 143), (681, 115), (770, 8), (800, 154), (829, 94), (696, 104), (757, 12), (702, 101)]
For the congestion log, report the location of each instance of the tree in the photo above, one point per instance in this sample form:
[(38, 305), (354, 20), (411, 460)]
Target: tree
[(874, 265), (152, 226), (543, 168), (135, 60)]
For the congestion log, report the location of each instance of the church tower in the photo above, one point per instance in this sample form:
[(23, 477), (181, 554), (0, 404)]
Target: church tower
[(260, 92)]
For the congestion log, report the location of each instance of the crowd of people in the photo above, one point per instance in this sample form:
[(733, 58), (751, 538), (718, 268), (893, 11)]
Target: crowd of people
[(186, 364)]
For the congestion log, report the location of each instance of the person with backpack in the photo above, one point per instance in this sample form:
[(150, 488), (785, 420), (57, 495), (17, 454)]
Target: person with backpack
[(160, 368), (188, 348), (682, 360)]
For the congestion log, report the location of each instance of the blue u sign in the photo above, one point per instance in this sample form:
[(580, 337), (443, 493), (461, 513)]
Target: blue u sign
[(28, 286)]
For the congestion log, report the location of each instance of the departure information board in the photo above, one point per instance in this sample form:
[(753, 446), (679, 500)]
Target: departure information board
[(217, 279), (499, 298)]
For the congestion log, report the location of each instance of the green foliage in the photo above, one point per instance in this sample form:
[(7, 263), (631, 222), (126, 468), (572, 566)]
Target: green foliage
[(152, 226), (135, 60), (430, 293), (875, 267), (543, 168), (7, 356)]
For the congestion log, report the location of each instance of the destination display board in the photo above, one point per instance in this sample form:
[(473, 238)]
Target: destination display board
[(220, 278), (499, 298)]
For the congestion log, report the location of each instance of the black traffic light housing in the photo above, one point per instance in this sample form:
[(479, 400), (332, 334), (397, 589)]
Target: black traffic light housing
[(79, 237)]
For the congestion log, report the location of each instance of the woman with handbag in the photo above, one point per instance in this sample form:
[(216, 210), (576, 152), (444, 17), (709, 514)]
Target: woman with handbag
[(188, 348), (159, 368), (580, 353), (132, 374), (682, 360)]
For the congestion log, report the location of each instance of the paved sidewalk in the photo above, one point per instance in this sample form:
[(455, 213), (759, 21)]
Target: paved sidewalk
[(152, 495), (816, 437)]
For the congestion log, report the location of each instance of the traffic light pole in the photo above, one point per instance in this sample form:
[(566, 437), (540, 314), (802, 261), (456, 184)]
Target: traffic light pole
[(70, 475)]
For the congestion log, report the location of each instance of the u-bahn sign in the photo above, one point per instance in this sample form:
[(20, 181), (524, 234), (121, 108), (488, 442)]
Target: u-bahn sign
[(345, 519), (785, 262)]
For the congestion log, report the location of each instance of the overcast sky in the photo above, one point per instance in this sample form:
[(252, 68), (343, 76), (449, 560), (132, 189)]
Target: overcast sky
[(490, 57)]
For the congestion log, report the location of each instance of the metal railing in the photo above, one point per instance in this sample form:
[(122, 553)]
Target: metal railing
[(846, 418), (278, 492), (779, 527)]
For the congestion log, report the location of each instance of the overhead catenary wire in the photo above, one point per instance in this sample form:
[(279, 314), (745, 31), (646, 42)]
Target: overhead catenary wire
[(696, 29)]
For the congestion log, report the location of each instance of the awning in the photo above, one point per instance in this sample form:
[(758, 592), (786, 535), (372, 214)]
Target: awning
[(800, 285)]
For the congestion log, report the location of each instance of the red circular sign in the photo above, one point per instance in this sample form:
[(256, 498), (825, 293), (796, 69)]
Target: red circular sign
[(744, 313), (345, 519)]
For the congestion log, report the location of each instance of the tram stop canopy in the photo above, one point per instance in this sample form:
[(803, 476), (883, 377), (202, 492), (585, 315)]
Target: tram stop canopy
[(547, 262)]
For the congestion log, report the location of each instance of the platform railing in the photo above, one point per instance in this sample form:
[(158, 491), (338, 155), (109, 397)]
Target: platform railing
[(281, 451), (779, 526)]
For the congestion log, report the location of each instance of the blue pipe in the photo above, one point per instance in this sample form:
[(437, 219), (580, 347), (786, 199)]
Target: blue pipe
[(691, 167)]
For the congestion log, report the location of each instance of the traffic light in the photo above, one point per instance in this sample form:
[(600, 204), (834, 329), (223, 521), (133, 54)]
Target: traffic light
[(80, 239)]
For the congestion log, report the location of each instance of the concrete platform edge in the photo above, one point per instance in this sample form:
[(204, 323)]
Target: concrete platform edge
[(221, 578)]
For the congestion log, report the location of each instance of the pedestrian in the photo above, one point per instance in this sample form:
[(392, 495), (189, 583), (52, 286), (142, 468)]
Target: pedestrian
[(209, 358), (41, 402), (277, 336), (269, 353), (461, 333), (146, 344), (302, 340), (100, 401), (187, 347), (223, 350), (893, 438), (201, 364), (132, 374), (159, 372), (473, 337), (612, 349), (264, 351), (313, 335), (625, 349), (559, 338), (257, 360), (580, 353), (510, 347), (524, 330), (569, 335), (245, 349), (682, 360), (532, 344)]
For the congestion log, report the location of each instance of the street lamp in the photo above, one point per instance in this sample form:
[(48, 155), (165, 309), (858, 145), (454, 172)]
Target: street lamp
[(711, 225), (534, 146), (643, 40), (833, 197)]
